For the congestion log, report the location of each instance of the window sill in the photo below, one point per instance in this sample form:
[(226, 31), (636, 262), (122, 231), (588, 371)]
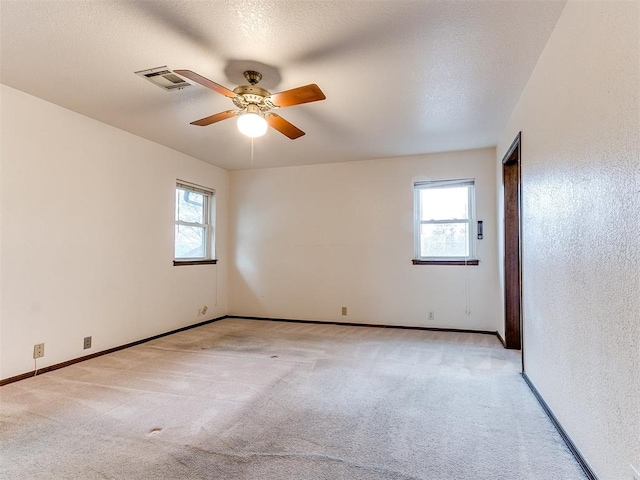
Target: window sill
[(180, 263), (446, 262)]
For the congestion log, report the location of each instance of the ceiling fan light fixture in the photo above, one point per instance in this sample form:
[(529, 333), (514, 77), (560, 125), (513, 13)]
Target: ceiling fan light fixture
[(252, 122)]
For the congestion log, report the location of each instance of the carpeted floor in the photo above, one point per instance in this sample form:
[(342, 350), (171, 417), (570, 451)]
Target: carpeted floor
[(247, 399)]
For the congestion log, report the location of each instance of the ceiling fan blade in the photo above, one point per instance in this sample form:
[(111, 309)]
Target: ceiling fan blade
[(203, 122), (284, 127), (206, 83), (296, 96)]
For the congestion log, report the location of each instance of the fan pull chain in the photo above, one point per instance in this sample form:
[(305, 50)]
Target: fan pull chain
[(251, 153)]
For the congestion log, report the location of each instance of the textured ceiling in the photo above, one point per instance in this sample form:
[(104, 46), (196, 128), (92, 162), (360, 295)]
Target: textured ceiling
[(401, 77)]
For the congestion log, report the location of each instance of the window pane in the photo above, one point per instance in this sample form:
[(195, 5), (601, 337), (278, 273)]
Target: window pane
[(190, 242), (189, 206), (444, 203), (444, 240)]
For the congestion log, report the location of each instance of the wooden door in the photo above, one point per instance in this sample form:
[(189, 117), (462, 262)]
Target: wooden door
[(512, 251)]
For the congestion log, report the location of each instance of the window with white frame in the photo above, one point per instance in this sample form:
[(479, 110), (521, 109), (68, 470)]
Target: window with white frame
[(444, 220), (194, 229)]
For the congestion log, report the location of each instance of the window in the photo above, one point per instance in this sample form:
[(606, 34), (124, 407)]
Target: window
[(444, 212), (194, 225)]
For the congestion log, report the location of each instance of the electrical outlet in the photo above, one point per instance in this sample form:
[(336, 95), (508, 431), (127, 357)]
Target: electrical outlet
[(432, 316), (204, 309), (87, 342), (635, 473), (344, 310), (38, 350)]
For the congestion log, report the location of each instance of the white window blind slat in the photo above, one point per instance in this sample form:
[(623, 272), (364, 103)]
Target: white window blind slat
[(464, 182), (194, 188)]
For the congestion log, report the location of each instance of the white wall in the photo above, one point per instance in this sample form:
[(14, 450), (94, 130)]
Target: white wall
[(579, 117), (87, 236), (308, 240)]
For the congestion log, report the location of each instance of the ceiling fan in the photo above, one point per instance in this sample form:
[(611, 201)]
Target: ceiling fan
[(255, 104)]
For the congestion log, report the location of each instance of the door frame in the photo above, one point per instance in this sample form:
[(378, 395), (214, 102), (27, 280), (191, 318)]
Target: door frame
[(512, 209)]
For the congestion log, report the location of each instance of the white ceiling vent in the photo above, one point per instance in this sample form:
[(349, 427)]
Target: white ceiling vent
[(164, 78)]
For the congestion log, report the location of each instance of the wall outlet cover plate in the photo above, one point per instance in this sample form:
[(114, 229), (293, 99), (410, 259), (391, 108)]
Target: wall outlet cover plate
[(38, 350)]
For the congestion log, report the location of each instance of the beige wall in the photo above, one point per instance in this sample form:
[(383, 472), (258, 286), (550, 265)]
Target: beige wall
[(579, 117), (308, 240), (87, 236)]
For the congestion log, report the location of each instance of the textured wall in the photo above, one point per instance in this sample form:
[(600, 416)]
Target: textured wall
[(87, 236), (579, 117), (308, 240)]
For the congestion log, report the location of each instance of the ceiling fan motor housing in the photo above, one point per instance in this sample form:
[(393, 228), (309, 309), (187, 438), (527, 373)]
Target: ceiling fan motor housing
[(251, 94)]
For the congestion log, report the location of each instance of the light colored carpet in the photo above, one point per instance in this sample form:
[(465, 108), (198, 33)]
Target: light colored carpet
[(247, 399)]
